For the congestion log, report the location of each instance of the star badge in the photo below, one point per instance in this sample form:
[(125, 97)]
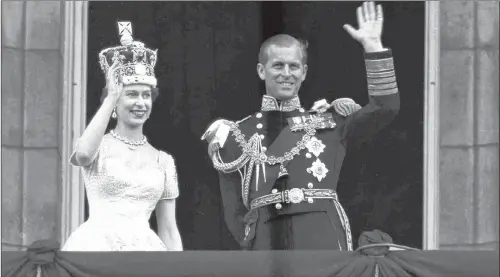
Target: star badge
[(315, 146), (318, 170)]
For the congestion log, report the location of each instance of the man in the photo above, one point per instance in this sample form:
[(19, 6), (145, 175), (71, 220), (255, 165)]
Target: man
[(279, 167)]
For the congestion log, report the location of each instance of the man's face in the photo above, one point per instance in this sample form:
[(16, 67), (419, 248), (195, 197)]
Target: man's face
[(283, 72)]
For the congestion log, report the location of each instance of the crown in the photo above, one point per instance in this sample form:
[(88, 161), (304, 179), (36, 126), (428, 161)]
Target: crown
[(136, 63)]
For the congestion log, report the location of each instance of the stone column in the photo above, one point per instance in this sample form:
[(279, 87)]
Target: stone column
[(31, 104), (469, 125)]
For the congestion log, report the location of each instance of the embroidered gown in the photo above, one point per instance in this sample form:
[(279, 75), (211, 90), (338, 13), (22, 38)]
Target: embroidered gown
[(123, 188)]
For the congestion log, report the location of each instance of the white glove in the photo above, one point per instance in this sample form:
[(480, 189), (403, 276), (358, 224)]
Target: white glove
[(216, 134)]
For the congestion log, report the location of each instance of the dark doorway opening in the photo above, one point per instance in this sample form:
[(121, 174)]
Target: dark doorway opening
[(207, 55)]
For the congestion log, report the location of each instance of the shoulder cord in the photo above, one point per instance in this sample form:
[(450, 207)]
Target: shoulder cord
[(244, 162)]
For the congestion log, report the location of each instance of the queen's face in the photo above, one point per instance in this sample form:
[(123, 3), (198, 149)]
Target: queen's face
[(134, 106)]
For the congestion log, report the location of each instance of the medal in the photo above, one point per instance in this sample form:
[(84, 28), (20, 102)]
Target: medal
[(283, 171)]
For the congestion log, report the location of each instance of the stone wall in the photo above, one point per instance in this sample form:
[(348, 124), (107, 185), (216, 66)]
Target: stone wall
[(469, 125), (31, 104)]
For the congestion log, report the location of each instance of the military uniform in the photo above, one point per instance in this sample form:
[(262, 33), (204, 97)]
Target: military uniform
[(279, 167)]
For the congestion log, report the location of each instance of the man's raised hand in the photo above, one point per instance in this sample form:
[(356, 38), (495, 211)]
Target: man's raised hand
[(370, 23)]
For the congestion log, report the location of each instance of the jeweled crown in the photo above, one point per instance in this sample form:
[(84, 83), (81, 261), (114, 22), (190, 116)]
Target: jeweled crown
[(136, 63)]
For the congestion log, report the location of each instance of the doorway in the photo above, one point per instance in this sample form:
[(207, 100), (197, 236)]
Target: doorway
[(207, 54)]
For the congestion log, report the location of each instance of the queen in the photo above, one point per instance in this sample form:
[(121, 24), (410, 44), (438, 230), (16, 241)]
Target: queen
[(125, 177)]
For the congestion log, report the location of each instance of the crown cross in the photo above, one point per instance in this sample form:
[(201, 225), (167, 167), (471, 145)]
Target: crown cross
[(124, 27)]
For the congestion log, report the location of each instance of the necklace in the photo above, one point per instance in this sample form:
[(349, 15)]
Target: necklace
[(131, 144)]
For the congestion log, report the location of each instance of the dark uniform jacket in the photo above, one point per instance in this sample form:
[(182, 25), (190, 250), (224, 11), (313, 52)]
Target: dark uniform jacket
[(315, 163)]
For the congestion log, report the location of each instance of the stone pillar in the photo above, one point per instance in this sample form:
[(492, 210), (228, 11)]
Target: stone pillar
[(31, 104), (469, 115)]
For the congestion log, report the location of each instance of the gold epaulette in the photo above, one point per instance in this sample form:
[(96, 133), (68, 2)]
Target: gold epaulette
[(345, 106)]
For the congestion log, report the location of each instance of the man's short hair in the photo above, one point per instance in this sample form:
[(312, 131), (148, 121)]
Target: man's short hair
[(282, 40)]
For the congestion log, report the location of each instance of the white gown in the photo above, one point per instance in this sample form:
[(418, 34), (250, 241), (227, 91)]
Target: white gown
[(123, 189)]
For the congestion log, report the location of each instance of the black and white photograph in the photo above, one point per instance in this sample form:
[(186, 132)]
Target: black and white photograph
[(250, 138)]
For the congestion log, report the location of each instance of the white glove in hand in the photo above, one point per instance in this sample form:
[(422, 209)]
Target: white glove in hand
[(216, 135)]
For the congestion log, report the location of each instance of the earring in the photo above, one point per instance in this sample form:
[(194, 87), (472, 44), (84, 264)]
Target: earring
[(113, 115)]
